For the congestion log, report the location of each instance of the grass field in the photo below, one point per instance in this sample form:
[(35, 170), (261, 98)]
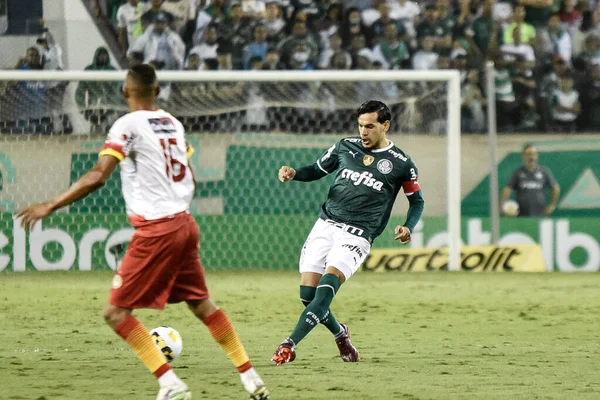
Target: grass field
[(421, 336)]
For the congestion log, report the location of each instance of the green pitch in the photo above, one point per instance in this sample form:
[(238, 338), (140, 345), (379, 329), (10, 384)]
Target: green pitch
[(421, 336)]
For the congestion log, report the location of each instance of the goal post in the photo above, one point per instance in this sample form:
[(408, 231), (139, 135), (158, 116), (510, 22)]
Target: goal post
[(450, 78)]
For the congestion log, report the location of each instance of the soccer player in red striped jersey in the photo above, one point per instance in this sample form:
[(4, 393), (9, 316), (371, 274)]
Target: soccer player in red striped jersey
[(161, 264)]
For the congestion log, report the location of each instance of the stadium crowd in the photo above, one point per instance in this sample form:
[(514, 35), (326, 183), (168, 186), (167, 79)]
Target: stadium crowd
[(546, 52)]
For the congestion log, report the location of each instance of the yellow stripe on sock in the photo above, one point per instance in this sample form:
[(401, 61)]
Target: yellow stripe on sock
[(224, 333), (142, 344)]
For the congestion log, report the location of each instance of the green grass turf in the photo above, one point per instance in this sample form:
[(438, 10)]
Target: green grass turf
[(421, 336)]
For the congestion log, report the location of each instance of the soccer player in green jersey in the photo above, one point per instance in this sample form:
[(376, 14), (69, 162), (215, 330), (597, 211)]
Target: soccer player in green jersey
[(370, 171)]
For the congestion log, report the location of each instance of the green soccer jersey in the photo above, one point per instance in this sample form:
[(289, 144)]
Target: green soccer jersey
[(366, 184)]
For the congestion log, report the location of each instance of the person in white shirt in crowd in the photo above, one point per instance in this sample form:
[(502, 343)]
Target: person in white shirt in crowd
[(425, 58), (557, 40), (371, 13), (406, 11), (129, 23), (335, 47), (182, 10), (255, 9), (207, 49), (274, 22), (160, 45), (518, 51), (565, 105), (590, 25)]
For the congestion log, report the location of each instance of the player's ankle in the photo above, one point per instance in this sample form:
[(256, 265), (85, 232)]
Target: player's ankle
[(169, 379)]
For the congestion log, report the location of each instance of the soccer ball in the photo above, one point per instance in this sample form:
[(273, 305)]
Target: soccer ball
[(168, 340), (510, 208)]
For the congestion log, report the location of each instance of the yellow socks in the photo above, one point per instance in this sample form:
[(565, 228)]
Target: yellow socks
[(223, 332)]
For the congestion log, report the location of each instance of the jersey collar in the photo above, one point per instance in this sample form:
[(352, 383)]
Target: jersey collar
[(389, 146)]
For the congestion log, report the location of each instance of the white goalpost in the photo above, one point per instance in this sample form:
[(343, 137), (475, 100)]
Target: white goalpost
[(281, 80)]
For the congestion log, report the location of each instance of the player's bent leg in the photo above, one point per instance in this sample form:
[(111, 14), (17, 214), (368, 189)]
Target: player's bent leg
[(141, 342), (327, 288), (222, 330), (308, 289)]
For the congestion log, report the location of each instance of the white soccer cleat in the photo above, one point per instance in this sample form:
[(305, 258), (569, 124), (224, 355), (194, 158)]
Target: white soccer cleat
[(254, 385), (175, 392)]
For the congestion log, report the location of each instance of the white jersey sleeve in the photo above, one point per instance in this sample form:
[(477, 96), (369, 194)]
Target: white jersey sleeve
[(155, 175)]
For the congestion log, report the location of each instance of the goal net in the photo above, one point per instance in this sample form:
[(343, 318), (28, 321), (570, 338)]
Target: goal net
[(244, 126)]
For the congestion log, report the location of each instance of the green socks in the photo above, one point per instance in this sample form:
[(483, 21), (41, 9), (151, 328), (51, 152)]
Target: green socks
[(307, 294), (318, 309)]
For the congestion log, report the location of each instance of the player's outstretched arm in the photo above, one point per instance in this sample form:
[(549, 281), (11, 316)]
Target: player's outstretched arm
[(92, 180)]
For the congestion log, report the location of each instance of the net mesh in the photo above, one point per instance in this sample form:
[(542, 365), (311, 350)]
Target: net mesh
[(242, 132)]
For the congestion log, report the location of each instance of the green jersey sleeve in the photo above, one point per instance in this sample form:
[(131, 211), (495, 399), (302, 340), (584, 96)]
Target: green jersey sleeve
[(330, 160), (410, 179)]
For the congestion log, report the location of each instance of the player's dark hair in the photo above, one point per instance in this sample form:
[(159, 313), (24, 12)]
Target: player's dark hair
[(145, 80), (371, 106)]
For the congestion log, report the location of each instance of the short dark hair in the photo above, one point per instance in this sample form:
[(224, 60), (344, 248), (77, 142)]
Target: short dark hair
[(144, 77), (371, 106)]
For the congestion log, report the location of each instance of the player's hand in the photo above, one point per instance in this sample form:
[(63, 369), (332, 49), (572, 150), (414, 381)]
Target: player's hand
[(286, 173), (32, 214), (402, 234)]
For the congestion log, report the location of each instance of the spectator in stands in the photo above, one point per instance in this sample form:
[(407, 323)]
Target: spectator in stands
[(135, 58), (339, 61), (525, 86), (160, 45), (335, 46), (193, 62), (299, 35), (548, 84), (239, 30), (370, 13), (538, 11), (378, 27), (182, 12), (300, 57), (256, 63), (155, 9), (590, 99), (274, 22), (352, 26), (565, 105), (518, 52), (472, 102), (50, 51), (258, 48), (129, 24), (224, 54), (590, 54), (331, 23), (570, 17), (207, 48), (518, 20), (506, 104), (254, 9), (407, 12), (309, 12), (557, 39), (391, 51), (214, 14), (590, 25), (435, 28), (485, 29), (446, 19), (425, 58), (90, 94), (30, 95), (272, 60)]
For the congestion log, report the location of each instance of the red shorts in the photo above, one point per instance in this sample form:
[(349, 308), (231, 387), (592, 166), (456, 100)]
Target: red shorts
[(161, 266)]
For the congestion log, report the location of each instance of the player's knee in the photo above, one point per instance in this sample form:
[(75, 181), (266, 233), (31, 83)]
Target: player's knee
[(202, 308), (113, 315)]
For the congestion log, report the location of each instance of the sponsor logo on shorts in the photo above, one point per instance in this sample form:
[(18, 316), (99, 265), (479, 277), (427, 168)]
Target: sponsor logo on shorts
[(117, 281), (385, 166), (366, 178), (354, 248)]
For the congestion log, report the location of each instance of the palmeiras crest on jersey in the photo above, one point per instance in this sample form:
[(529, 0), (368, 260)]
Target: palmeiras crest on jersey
[(384, 166), (368, 160)]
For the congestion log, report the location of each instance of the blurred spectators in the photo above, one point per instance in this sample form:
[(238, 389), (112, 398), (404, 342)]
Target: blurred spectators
[(90, 94), (546, 52), (160, 45)]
